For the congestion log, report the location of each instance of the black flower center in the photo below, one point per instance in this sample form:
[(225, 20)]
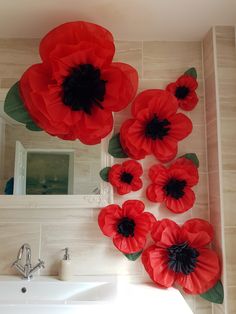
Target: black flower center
[(157, 128), (181, 92), (175, 188), (126, 177), (182, 258), (83, 88), (126, 227)]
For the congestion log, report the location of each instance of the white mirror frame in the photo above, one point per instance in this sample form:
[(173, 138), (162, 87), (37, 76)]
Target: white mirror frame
[(65, 201)]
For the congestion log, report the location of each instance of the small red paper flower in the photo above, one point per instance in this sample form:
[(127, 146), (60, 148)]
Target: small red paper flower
[(184, 90), (128, 225), (173, 185), (126, 176), (156, 127), (180, 256), (73, 92)]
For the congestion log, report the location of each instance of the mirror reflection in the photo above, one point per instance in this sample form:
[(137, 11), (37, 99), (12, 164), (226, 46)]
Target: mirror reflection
[(35, 163)]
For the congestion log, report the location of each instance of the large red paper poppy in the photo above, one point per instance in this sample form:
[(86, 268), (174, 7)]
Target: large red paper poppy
[(180, 256), (156, 127), (128, 225), (125, 177), (173, 185), (73, 92), (184, 91)]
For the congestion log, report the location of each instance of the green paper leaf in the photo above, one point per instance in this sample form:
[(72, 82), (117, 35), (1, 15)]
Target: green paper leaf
[(133, 256), (193, 157), (32, 126), (104, 173), (14, 108), (115, 149), (215, 294), (191, 72)]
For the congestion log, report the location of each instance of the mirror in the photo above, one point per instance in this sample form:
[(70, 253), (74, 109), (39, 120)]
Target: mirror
[(35, 163)]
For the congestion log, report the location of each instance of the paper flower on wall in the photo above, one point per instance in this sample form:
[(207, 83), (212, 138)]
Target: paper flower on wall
[(128, 226), (124, 177), (173, 185), (73, 92), (156, 127), (184, 89), (180, 256)]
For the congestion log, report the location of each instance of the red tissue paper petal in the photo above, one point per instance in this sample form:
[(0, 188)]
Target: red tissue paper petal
[(189, 102), (156, 111), (112, 215), (65, 48), (157, 259), (173, 185)]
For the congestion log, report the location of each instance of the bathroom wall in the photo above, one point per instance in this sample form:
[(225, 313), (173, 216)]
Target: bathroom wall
[(48, 231), (226, 68), (219, 55)]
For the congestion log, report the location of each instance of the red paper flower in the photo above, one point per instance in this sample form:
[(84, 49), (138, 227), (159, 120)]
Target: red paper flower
[(156, 127), (128, 225), (73, 92), (173, 185), (184, 90), (180, 256), (126, 176)]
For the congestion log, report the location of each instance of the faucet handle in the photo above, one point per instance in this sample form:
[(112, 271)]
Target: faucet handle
[(41, 263)]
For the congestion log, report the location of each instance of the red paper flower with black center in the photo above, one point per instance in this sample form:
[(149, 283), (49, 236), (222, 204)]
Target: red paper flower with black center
[(128, 225), (73, 92), (173, 185), (184, 91), (126, 176), (180, 256), (156, 127)]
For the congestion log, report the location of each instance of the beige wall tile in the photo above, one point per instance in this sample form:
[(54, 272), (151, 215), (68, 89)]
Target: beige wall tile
[(230, 244), (16, 56), (225, 44), (219, 309), (229, 197), (12, 236), (228, 133), (91, 252), (227, 92), (212, 146), (231, 300), (168, 60), (200, 208), (210, 95), (208, 54), (202, 306), (35, 215), (130, 52)]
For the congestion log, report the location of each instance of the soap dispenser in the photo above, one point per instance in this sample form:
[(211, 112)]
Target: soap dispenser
[(66, 270)]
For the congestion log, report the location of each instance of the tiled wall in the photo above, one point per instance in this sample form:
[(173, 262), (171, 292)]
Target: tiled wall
[(48, 231), (226, 67), (219, 55)]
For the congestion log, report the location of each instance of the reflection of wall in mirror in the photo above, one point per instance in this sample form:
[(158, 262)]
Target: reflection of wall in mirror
[(87, 158)]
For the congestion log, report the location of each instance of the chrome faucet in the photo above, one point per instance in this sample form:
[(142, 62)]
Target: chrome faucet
[(26, 270)]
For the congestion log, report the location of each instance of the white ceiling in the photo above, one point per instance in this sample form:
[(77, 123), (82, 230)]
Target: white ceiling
[(126, 19)]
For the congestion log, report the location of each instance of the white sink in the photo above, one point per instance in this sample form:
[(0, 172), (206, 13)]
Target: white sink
[(48, 295), (85, 294)]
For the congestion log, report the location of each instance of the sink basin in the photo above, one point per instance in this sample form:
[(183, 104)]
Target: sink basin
[(48, 295), (86, 294)]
